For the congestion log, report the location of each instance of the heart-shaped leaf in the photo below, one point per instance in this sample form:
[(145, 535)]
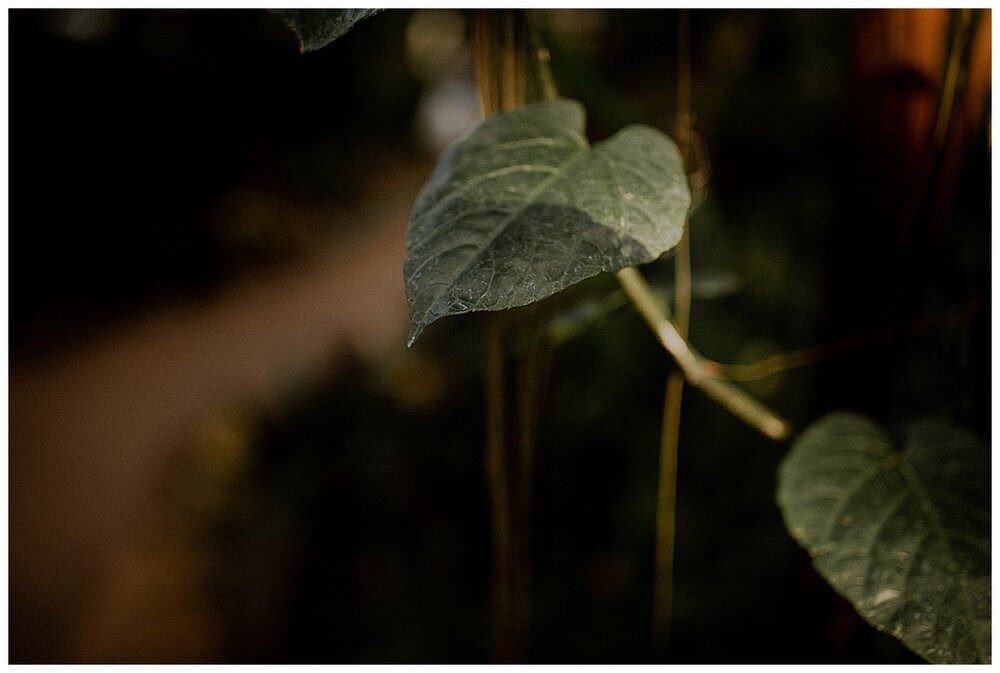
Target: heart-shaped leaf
[(317, 28), (903, 533), (523, 207)]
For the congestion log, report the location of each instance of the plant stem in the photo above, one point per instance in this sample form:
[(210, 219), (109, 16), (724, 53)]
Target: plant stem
[(666, 490), (499, 63), (666, 499), (510, 74), (739, 403), (505, 618), (541, 60), (514, 394), (781, 362), (512, 65)]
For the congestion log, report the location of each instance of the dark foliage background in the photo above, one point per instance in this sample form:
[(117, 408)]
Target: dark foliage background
[(353, 524)]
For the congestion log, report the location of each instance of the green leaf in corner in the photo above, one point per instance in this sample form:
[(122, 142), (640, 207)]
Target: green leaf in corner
[(523, 207), (902, 532), (317, 28)]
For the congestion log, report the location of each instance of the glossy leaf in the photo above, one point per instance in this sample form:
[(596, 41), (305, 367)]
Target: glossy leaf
[(902, 532), (523, 207), (317, 28)]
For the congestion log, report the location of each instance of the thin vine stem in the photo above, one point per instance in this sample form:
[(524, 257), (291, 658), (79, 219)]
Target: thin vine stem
[(510, 73), (748, 409), (666, 490), (498, 472)]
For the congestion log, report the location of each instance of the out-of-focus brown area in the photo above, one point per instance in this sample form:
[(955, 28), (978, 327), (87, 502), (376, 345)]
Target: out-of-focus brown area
[(220, 449), (93, 424), (102, 408)]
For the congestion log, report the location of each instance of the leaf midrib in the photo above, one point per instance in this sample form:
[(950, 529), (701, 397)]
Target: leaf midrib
[(501, 227), (576, 143), (927, 505)]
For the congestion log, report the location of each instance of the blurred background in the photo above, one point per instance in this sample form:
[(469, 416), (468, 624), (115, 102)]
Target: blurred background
[(220, 448)]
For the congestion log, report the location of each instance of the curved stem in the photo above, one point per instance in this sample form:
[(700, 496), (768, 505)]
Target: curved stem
[(739, 403)]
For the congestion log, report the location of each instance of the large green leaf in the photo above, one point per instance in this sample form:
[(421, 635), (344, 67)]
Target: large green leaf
[(903, 533), (317, 28), (523, 207)]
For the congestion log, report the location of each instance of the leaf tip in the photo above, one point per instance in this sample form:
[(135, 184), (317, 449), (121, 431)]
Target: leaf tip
[(415, 331)]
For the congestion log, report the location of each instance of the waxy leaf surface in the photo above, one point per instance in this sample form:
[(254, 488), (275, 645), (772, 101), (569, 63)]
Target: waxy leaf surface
[(523, 207), (903, 532)]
